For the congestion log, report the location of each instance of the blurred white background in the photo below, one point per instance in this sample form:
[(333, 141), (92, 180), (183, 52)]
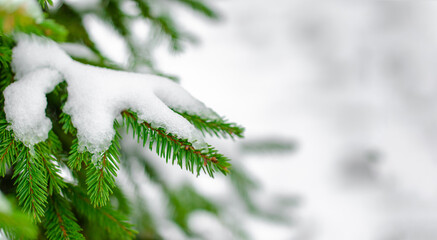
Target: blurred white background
[(353, 82)]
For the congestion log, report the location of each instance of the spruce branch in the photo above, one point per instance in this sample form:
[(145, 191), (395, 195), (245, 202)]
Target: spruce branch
[(184, 202), (60, 222), (219, 128), (55, 181), (171, 147), (200, 7), (115, 16), (163, 23), (76, 157), (5, 57), (8, 147), (67, 125), (45, 4), (102, 172), (31, 183), (106, 217)]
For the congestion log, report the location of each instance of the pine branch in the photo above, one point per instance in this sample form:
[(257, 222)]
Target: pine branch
[(101, 170), (106, 217), (55, 181), (45, 4), (8, 147), (101, 174), (185, 201), (5, 57), (6, 76), (219, 128), (200, 7), (76, 157), (31, 183), (268, 145), (244, 185), (115, 16), (60, 222), (67, 125), (124, 204), (171, 147), (164, 23)]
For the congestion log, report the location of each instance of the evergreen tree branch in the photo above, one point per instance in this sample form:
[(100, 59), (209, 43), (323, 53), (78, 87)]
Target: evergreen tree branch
[(219, 128), (55, 182), (67, 125), (200, 7), (101, 169), (163, 23), (101, 174), (31, 183), (60, 222), (171, 147), (106, 217), (8, 147), (45, 4), (76, 157)]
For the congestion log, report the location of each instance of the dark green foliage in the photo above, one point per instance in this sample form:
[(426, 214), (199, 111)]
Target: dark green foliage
[(8, 148), (76, 158), (55, 182), (111, 221), (60, 222), (31, 183)]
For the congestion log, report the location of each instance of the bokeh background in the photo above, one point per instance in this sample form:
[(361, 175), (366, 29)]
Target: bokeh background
[(350, 85)]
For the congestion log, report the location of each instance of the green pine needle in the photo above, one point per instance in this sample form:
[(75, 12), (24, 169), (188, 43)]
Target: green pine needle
[(76, 158), (60, 222), (8, 147), (218, 128), (109, 220), (175, 149), (31, 183), (101, 174), (67, 125)]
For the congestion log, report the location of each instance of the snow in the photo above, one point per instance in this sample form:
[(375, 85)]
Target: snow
[(96, 96), (27, 114)]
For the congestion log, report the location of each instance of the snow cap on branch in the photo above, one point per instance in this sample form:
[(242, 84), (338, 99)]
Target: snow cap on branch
[(96, 96)]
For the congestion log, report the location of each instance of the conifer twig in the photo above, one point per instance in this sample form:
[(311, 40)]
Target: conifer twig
[(169, 146)]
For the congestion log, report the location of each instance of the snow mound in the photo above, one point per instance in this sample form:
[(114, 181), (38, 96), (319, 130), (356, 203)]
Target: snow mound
[(25, 104), (96, 96)]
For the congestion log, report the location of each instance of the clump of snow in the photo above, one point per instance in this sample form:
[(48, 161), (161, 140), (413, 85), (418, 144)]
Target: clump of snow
[(96, 96), (25, 104)]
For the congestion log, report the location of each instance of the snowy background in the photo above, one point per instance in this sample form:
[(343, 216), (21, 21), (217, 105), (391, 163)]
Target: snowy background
[(354, 83)]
